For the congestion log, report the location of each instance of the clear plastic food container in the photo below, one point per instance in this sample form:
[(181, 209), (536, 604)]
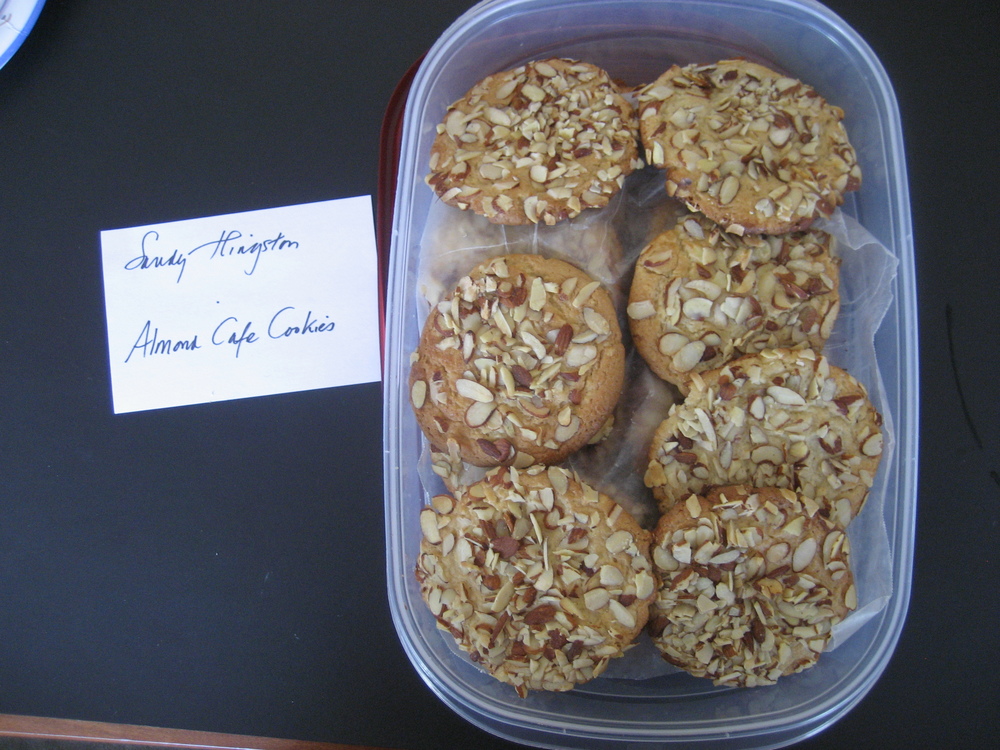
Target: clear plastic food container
[(634, 704)]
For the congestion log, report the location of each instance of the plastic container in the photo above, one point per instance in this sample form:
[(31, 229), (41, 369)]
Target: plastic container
[(635, 40)]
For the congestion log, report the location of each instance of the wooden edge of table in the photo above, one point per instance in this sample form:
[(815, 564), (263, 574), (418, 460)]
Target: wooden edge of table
[(131, 734)]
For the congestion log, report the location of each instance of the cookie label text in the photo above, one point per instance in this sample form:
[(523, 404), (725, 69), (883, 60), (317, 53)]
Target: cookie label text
[(251, 304)]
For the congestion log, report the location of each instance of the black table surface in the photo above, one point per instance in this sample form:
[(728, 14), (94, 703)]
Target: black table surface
[(221, 567)]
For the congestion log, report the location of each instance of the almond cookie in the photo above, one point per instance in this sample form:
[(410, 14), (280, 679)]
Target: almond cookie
[(701, 297), (754, 150), (536, 144), (538, 576), (751, 583), (780, 418), (523, 363)]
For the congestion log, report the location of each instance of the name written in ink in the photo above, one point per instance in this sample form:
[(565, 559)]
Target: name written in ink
[(226, 246), (286, 324)]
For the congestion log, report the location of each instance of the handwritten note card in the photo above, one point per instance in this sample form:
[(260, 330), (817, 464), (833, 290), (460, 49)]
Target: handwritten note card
[(249, 304)]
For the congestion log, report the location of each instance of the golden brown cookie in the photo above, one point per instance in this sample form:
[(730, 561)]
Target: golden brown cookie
[(755, 151), (535, 144), (523, 363), (751, 583), (701, 297), (539, 577), (780, 418)]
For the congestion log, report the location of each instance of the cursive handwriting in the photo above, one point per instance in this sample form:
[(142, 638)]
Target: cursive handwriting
[(231, 324), (279, 327), (226, 246), (150, 344), (285, 324), (144, 260)]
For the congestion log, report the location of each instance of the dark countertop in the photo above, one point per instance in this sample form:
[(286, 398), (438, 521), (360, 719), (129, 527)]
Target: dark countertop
[(205, 568)]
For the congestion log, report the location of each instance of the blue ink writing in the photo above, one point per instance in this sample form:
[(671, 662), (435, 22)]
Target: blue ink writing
[(284, 325), (143, 261), (150, 344), (227, 246), (236, 339), (279, 329)]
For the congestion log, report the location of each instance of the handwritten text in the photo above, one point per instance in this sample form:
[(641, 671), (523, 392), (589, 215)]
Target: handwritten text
[(287, 323), (226, 246)]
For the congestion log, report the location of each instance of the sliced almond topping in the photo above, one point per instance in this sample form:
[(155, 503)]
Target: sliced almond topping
[(498, 116), (579, 355), (596, 599), (536, 298), (595, 321), (785, 396), (664, 560), (693, 505), (475, 391), (618, 542), (503, 597), (645, 584), (545, 69), (777, 553), (832, 544), (479, 413), (559, 479), (727, 192), (584, 294), (621, 613), (539, 173), (641, 310), (537, 347), (611, 576), (418, 393), (534, 93), (794, 527), (688, 356), (564, 433), (851, 597), (804, 554), (798, 450), (767, 453), (671, 343), (704, 287), (873, 445), (545, 580), (697, 308), (443, 504), (429, 526), (779, 136), (723, 558)]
